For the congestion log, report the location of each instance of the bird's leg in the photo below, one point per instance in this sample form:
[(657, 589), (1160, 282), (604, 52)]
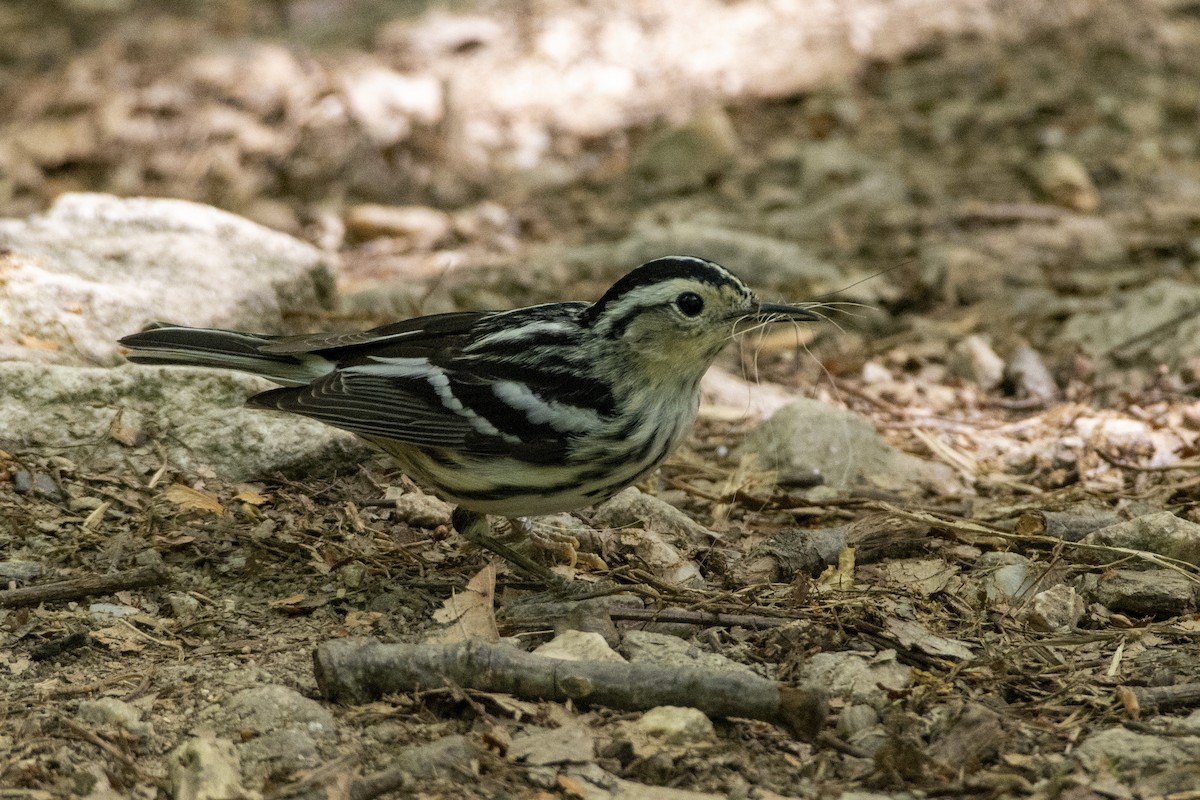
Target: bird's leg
[(475, 528)]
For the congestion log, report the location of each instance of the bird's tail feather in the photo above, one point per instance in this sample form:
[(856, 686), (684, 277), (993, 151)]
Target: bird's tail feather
[(162, 343)]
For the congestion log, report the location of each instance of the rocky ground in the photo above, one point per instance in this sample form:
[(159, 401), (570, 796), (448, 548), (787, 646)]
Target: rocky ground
[(964, 509)]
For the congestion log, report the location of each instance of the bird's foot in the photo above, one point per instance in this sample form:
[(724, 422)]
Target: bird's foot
[(476, 529), (558, 544)]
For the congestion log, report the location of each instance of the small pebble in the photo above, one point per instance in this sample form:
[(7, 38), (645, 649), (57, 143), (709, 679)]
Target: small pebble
[(422, 510), (855, 718), (675, 725), (579, 646), (111, 711), (182, 605)]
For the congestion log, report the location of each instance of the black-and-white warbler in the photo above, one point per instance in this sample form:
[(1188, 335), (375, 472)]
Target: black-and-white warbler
[(532, 411)]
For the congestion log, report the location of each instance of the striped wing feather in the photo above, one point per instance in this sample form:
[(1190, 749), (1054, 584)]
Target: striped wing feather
[(371, 405), (365, 397)]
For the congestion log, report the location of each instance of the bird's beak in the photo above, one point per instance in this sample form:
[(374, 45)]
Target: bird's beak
[(776, 312)]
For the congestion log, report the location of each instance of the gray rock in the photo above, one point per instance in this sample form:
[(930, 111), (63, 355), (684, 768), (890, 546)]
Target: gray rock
[(664, 650), (38, 483), (55, 406), (855, 677), (579, 646), (207, 768), (108, 611), (1161, 532), (421, 510), (276, 756), (1152, 592), (1004, 577), (1121, 332), (1130, 754), (966, 735), (569, 744), (975, 359), (182, 605), (95, 267), (281, 731), (118, 713), (1028, 371), (632, 507), (447, 757), (856, 718), (674, 725), (1057, 609), (266, 709), (844, 449)]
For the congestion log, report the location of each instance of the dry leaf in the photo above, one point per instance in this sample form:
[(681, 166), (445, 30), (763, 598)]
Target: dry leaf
[(92, 521), (841, 576), (119, 638), (299, 604), (915, 636), (248, 494), (362, 619), (189, 499), (120, 431), (469, 614)]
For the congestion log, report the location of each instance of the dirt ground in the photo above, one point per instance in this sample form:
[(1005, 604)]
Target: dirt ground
[(1006, 205)]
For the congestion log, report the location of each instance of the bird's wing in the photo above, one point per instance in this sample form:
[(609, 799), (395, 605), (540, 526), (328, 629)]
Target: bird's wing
[(462, 381), (407, 399)]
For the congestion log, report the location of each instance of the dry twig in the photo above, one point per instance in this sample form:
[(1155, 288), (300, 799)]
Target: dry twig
[(84, 586), (359, 670), (1163, 698)]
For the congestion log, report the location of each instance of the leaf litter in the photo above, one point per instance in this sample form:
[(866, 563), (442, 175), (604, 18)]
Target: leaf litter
[(1032, 633)]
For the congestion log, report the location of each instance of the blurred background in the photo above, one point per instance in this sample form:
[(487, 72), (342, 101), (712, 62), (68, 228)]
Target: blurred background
[(1003, 181)]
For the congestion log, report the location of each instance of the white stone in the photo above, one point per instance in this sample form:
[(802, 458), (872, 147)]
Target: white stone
[(94, 268)]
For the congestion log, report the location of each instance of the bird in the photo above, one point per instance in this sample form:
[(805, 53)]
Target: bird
[(526, 412)]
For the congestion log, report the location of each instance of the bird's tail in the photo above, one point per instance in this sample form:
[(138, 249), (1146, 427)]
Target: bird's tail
[(162, 343)]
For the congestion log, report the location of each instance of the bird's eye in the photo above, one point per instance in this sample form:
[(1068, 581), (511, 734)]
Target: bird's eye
[(690, 303)]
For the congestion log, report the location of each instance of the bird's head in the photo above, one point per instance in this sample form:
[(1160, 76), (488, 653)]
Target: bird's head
[(678, 313)]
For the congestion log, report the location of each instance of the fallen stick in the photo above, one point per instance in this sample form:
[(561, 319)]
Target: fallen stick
[(1162, 698), (1070, 526), (361, 670), (83, 586)]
